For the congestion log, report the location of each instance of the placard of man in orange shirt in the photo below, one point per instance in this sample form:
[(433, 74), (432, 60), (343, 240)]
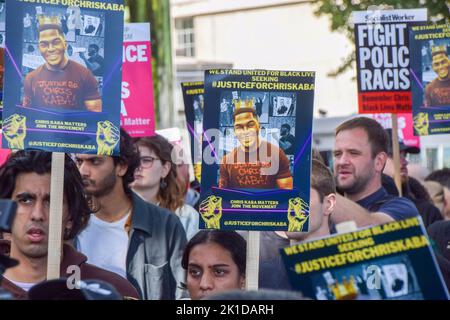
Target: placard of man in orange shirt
[(255, 163), (60, 82)]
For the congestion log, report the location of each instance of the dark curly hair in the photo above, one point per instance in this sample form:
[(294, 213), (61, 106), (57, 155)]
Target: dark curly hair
[(40, 162), (129, 155)]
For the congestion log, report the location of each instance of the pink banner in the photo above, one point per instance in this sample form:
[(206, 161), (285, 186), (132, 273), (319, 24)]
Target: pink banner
[(405, 127), (137, 111)]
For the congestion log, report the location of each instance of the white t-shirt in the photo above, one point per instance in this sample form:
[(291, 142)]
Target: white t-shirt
[(105, 244), (24, 285)]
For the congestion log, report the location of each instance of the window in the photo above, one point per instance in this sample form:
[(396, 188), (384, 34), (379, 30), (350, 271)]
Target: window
[(185, 43), (446, 163), (432, 159), (414, 158)]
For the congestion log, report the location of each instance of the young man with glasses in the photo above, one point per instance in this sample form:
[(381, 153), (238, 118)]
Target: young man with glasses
[(134, 238)]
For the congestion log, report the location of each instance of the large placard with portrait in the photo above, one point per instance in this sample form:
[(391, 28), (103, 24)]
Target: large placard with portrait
[(63, 75), (430, 67), (256, 150)]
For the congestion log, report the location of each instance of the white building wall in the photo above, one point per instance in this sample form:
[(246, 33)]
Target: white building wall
[(270, 34)]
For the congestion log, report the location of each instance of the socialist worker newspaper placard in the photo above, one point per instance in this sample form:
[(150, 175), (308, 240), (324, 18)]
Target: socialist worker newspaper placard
[(137, 107), (383, 59), (387, 262), (256, 150), (430, 68), (193, 97), (63, 75)]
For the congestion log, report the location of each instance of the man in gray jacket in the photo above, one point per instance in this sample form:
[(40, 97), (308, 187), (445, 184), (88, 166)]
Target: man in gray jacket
[(127, 235)]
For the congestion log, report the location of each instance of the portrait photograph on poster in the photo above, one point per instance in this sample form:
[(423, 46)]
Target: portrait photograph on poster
[(256, 150), (63, 86)]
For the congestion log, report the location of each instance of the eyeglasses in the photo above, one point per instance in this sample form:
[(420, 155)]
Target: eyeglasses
[(147, 162)]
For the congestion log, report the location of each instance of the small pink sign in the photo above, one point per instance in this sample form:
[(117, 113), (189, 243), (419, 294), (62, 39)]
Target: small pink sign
[(137, 108)]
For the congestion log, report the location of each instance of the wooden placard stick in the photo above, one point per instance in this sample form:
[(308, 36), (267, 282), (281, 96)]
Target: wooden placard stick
[(252, 269), (56, 212), (396, 154)]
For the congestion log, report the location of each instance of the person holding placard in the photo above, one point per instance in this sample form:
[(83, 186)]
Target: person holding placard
[(359, 157), (322, 203), (25, 178), (411, 188), (140, 241)]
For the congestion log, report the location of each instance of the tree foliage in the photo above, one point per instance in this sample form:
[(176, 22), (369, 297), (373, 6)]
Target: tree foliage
[(339, 13)]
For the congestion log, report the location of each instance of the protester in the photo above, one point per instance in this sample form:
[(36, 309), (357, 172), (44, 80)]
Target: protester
[(25, 178), (322, 202), (411, 188), (156, 181), (128, 235), (442, 176), (215, 262), (436, 192), (360, 154)]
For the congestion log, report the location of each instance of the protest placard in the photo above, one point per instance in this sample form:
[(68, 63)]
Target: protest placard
[(430, 64), (389, 261), (137, 106), (70, 103), (256, 150)]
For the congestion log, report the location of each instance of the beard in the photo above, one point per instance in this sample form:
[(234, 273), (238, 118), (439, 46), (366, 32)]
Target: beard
[(359, 184), (102, 187)]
